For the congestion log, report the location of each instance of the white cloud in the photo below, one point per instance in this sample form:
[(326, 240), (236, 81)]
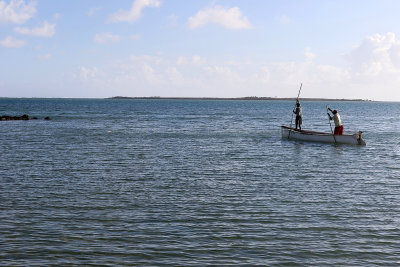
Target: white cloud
[(230, 18), (12, 42), (93, 11), (87, 73), (57, 16), (198, 60), (182, 61), (378, 56), (372, 71), (263, 75), (172, 21), (394, 55), (308, 54), (45, 30), (146, 59), (222, 72), (106, 38), (16, 11), (43, 57), (194, 60), (134, 13), (285, 19), (175, 76), (237, 63), (135, 37)]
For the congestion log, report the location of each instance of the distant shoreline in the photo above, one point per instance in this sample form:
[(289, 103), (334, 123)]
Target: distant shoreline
[(210, 98), (239, 98)]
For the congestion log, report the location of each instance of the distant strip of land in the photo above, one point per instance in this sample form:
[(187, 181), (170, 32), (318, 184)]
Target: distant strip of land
[(237, 98)]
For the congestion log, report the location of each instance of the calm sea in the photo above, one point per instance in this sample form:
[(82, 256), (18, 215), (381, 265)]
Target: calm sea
[(196, 183)]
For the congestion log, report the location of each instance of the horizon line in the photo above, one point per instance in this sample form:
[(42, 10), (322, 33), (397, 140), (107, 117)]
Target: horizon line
[(210, 98), (241, 98)]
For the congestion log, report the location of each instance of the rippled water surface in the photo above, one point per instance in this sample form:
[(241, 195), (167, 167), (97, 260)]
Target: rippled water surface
[(196, 183)]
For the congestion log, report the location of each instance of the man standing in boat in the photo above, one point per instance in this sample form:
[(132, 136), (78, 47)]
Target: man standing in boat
[(337, 120), (299, 115)]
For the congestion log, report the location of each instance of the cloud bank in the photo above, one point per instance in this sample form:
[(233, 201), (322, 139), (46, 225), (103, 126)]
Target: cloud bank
[(369, 71)]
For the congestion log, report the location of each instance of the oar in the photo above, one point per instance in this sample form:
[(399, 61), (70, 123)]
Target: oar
[(330, 125), (291, 121)]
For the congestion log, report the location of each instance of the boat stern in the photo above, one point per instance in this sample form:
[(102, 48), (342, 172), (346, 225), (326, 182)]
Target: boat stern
[(359, 138)]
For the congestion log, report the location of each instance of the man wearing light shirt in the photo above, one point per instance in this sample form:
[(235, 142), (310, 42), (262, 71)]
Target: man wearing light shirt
[(337, 120)]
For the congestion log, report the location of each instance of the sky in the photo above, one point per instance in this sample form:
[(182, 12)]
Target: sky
[(200, 48)]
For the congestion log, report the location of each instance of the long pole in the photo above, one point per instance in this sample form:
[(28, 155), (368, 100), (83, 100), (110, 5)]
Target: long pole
[(297, 99), (330, 125)]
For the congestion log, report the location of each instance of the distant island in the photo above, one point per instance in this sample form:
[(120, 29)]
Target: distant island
[(237, 98)]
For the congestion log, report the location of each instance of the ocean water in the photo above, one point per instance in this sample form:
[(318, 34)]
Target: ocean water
[(196, 183)]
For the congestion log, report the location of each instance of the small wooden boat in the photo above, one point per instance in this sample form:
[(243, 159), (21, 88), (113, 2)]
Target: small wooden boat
[(305, 135)]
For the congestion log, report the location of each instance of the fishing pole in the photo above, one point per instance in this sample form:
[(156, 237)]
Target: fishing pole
[(330, 125)]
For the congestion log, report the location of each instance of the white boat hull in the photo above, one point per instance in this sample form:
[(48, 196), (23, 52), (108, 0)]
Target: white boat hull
[(305, 135)]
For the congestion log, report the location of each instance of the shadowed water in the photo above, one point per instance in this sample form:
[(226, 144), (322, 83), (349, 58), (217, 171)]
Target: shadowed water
[(195, 183)]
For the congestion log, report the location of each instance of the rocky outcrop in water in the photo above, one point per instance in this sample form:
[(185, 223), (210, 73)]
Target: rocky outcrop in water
[(24, 117), (15, 118)]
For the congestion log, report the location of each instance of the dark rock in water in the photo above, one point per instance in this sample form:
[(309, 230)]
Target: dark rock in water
[(24, 117), (14, 118)]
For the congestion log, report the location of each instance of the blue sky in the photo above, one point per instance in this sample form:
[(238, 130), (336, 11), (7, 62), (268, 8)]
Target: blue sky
[(200, 48)]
